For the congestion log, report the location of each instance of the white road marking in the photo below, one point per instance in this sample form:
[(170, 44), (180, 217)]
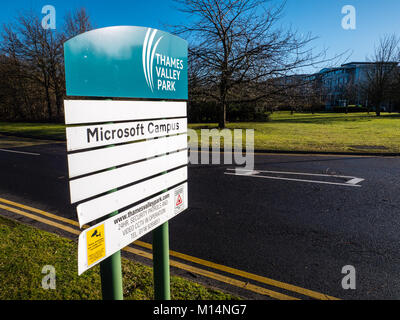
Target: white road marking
[(248, 173), (20, 152), (353, 181), (297, 173)]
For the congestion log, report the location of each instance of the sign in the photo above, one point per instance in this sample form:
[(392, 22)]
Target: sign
[(97, 111), (122, 156), (101, 135), (89, 186), (104, 239), (123, 153), (86, 162), (135, 157), (104, 205), (126, 61), (96, 245)]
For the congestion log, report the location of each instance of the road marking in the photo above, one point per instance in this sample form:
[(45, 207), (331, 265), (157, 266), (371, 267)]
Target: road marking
[(225, 279), (20, 152), (44, 213), (352, 181), (42, 220), (355, 181), (293, 173), (218, 277), (244, 274)]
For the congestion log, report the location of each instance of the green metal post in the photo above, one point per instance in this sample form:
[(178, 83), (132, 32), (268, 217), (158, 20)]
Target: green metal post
[(111, 271), (161, 263), (111, 276)]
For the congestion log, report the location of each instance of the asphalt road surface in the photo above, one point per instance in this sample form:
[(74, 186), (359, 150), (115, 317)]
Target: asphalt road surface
[(297, 219)]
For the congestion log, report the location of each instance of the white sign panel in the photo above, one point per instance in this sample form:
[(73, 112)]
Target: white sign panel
[(121, 152), (100, 207), (86, 187), (97, 111), (114, 234), (96, 160), (79, 138)]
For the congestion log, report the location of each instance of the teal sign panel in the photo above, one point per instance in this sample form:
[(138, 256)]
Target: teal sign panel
[(127, 62)]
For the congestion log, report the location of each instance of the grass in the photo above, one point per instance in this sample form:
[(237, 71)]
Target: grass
[(24, 251), (48, 131), (324, 132), (321, 132)]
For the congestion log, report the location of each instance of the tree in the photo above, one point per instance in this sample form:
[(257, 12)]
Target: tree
[(14, 85), (236, 47), (24, 49), (76, 22), (34, 59), (383, 71)]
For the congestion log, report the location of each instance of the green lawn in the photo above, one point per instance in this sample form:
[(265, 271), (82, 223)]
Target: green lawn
[(34, 130), (321, 132), (24, 251), (324, 132)]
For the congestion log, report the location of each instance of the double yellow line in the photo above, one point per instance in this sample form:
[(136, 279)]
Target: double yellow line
[(16, 209)]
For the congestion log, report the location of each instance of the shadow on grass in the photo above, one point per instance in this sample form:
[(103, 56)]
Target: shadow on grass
[(329, 119), (318, 119), (33, 130), (34, 134)]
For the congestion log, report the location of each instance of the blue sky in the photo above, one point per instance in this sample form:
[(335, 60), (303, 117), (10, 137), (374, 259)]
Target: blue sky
[(320, 17)]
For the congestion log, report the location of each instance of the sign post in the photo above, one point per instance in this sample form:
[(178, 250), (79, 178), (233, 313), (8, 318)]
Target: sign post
[(161, 263), (111, 273), (111, 278), (127, 159)]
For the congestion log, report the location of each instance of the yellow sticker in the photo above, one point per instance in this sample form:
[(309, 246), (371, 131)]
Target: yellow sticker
[(96, 244)]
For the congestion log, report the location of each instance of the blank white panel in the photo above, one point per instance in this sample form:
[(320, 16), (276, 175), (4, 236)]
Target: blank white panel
[(96, 184), (100, 207), (88, 137), (91, 161), (92, 111)]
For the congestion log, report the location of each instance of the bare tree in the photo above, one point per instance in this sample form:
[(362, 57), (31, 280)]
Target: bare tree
[(382, 73), (14, 98), (34, 59), (236, 47), (39, 50), (77, 22)]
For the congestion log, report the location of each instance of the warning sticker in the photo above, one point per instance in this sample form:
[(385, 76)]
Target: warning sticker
[(179, 201), (179, 204), (96, 245)]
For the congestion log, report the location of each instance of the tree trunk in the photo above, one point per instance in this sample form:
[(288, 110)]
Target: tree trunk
[(49, 111), (378, 110), (59, 104), (223, 103), (222, 115)]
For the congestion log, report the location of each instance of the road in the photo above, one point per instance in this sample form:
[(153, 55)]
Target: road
[(299, 229)]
